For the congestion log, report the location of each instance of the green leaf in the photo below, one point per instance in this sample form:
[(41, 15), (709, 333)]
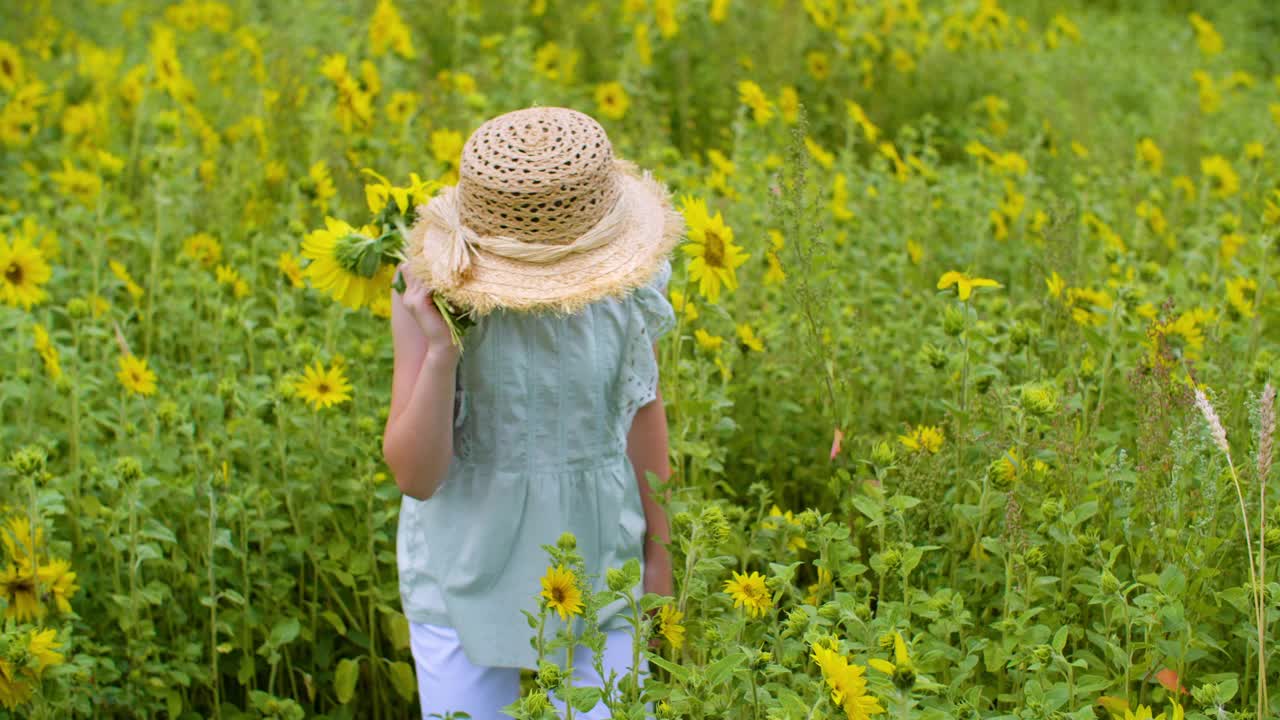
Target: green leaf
[(344, 681), (679, 672), (284, 632), (721, 670), (404, 680)]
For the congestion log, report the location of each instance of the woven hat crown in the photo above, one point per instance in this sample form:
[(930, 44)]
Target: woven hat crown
[(541, 175)]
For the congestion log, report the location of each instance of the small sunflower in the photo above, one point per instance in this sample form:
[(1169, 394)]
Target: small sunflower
[(24, 270), (322, 387), (61, 582), (749, 592), (671, 629), (135, 376), (714, 258), (560, 588), (41, 645), (612, 100)]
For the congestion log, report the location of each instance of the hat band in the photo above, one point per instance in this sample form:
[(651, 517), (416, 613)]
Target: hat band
[(448, 243)]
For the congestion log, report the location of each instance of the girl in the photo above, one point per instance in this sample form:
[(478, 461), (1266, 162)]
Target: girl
[(552, 416)]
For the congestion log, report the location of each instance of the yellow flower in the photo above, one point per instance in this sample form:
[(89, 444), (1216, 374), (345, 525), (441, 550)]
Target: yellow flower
[(776, 516), (387, 30), (25, 271), (560, 588), (859, 116), (340, 256), (1085, 304), (669, 618), (203, 248), (964, 284), (664, 13), (915, 251), (41, 645), (900, 669), (1225, 181), (681, 304), (12, 73), (555, 64), (714, 258), (1207, 36), (446, 147), (750, 593), (135, 376), (749, 338), (61, 582), (707, 341), (322, 185), (789, 104), (1210, 98), (819, 64), (18, 586), (1240, 292), (1254, 151), (401, 106), (48, 352), (718, 10), (824, 158), (288, 264), (923, 438), (1055, 283), (1150, 156), (775, 274), (1186, 186), (80, 184), (323, 388), (752, 96), (848, 684), (612, 99)]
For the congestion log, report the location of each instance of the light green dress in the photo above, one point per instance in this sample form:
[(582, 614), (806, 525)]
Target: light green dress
[(543, 407)]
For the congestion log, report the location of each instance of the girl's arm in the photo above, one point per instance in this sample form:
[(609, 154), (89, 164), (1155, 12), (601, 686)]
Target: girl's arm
[(647, 449), (418, 441)]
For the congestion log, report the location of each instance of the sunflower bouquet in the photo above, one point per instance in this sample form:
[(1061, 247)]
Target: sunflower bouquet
[(356, 265)]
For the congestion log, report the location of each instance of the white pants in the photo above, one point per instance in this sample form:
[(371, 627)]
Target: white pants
[(448, 681)]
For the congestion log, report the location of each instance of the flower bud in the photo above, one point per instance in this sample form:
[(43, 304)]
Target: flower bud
[(77, 308), (952, 321), (1110, 583), (28, 461), (934, 356), (549, 674), (1040, 399), (617, 579), (567, 541), (883, 454), (1273, 538), (891, 559), (1051, 508), (535, 704), (128, 468)]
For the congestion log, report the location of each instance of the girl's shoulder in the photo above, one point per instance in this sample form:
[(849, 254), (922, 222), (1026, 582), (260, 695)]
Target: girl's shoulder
[(651, 302)]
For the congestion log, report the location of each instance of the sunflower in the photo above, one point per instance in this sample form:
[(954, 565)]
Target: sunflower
[(25, 270), (749, 592), (11, 74), (714, 256), (19, 588), (340, 258), (41, 645), (612, 100), (135, 376), (14, 691), (923, 438), (964, 284), (203, 248), (672, 630), (288, 264), (848, 684), (323, 388), (61, 582), (560, 588)]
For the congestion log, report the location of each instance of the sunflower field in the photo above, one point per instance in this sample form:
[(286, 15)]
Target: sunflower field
[(971, 395)]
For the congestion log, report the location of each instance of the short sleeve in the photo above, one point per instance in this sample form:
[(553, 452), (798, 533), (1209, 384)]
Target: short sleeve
[(654, 306), (653, 316)]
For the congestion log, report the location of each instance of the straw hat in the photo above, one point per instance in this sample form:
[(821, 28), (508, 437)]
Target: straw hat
[(543, 216)]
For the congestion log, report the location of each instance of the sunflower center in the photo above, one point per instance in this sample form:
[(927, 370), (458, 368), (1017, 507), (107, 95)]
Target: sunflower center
[(13, 273), (714, 244), (557, 595), (6, 68), (323, 388)]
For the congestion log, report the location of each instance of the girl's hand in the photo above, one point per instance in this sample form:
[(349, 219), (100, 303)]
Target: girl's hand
[(418, 301)]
